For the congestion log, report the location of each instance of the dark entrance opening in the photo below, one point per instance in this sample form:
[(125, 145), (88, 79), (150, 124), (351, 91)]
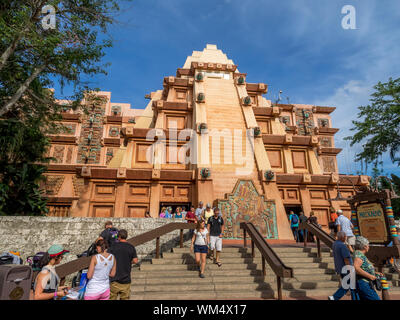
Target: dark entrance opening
[(296, 209), (184, 205)]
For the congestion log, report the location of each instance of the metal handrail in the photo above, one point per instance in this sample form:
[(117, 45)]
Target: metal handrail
[(320, 234), (82, 263), (267, 254)]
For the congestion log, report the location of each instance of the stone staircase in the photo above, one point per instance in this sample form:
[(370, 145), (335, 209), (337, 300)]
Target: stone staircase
[(174, 276)]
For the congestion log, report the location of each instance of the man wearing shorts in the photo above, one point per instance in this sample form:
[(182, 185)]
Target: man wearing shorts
[(344, 224), (215, 226)]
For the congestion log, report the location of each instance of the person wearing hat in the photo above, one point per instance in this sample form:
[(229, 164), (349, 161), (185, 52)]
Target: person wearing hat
[(46, 286), (344, 224)]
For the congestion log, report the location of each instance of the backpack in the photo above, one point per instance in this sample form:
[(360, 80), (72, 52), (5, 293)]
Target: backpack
[(112, 236), (295, 219), (34, 261), (9, 258)]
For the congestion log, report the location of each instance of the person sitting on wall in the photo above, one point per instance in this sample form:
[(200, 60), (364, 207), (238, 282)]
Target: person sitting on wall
[(162, 213), (168, 213), (184, 212), (147, 214), (178, 213)]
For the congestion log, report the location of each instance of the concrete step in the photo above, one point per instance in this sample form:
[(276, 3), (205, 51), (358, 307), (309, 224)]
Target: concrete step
[(227, 275), (206, 284), (205, 295), (301, 269), (186, 257), (293, 263)]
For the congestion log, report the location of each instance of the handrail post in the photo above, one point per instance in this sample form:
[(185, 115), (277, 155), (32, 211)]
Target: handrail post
[(263, 268), (244, 238), (279, 285), (181, 239), (252, 249), (158, 248), (318, 247)]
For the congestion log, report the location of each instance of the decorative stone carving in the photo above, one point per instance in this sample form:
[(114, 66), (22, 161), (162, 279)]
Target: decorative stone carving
[(269, 175), (156, 174), (86, 172), (306, 178), (121, 173), (201, 97), (200, 76), (246, 101), (78, 184), (245, 204), (205, 173), (53, 184), (58, 154), (329, 164)]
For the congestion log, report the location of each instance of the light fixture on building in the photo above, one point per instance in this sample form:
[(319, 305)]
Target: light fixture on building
[(339, 196)]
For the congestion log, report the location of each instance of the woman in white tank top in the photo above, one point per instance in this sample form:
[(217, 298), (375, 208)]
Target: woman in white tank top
[(101, 268)]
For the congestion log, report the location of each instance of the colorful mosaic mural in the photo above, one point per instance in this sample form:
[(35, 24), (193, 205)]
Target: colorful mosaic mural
[(245, 204)]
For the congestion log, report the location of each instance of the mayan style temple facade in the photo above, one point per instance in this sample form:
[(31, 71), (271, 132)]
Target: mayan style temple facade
[(208, 135)]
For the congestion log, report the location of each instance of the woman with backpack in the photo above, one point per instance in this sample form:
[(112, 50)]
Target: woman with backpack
[(46, 285), (102, 267), (200, 241)]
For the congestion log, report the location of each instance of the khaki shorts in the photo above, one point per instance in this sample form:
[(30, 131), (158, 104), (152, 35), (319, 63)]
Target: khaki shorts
[(124, 290), (351, 241)]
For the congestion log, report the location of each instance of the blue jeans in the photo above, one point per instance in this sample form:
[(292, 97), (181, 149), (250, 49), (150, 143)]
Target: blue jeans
[(365, 291), (341, 292), (303, 234), (295, 231)]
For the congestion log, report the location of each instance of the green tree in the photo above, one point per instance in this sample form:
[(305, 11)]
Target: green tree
[(20, 175), (379, 125), (32, 60)]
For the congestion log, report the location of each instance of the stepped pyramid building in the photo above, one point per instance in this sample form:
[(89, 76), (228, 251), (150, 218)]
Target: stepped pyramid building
[(207, 135)]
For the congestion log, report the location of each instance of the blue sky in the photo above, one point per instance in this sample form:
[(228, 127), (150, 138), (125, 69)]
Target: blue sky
[(297, 46)]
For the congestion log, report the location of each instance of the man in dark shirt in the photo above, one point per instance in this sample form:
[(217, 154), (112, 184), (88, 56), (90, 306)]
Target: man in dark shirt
[(342, 257), (302, 232), (215, 226), (125, 256)]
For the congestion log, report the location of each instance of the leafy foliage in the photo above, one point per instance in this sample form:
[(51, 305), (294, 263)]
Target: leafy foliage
[(20, 193), (379, 124), (32, 60)]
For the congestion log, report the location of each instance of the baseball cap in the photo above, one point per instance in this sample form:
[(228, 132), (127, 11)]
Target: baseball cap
[(339, 211), (208, 205), (56, 250)]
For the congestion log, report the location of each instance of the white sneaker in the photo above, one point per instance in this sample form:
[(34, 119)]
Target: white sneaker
[(331, 298)]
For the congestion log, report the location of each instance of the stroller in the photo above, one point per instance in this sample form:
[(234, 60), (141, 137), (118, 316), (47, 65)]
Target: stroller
[(80, 279)]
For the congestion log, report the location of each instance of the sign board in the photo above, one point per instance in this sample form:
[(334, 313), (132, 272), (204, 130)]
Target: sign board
[(372, 222)]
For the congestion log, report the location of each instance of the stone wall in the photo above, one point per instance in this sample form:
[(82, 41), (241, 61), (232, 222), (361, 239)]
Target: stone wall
[(33, 234)]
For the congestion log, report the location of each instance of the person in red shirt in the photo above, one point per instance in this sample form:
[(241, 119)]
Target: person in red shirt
[(332, 223), (191, 218)]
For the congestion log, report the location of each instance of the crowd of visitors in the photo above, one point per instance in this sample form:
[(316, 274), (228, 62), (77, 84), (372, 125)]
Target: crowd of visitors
[(109, 273)]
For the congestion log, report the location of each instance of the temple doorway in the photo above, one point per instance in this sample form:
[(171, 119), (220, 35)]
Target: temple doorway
[(174, 205)]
